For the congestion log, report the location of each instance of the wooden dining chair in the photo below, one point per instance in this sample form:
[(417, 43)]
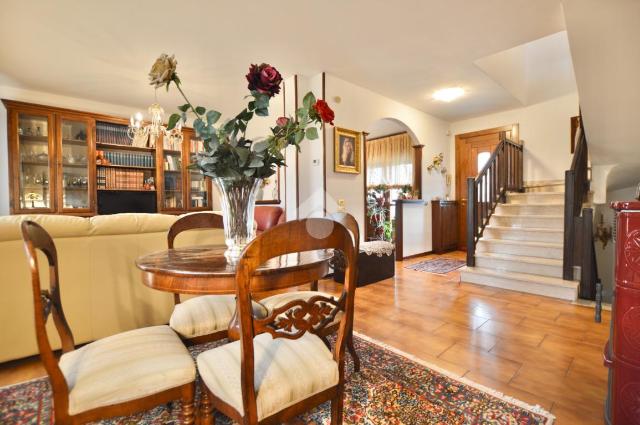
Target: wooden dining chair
[(118, 375), (207, 317), (278, 300), (280, 367)]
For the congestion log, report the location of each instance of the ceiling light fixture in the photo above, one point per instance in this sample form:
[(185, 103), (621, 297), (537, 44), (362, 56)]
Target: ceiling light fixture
[(449, 94), (146, 135)]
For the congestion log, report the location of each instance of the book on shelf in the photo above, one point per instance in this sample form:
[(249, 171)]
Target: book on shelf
[(112, 178), (112, 134), (196, 145)]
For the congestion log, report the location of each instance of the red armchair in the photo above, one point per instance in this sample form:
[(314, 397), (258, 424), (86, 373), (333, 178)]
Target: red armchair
[(267, 217)]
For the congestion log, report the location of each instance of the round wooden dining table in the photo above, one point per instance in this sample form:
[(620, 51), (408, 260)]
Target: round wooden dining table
[(205, 270)]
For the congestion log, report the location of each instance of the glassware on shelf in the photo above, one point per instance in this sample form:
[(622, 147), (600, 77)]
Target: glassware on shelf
[(34, 160), (75, 166)]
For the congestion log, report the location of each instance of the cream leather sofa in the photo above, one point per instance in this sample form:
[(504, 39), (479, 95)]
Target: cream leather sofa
[(100, 286)]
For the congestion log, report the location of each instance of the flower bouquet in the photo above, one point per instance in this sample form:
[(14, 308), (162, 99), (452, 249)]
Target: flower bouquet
[(237, 164)]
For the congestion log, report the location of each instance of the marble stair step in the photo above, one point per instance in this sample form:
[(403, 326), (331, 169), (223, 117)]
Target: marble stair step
[(529, 234), (530, 209), (550, 267), (527, 220), (531, 249), (522, 282), (535, 198)]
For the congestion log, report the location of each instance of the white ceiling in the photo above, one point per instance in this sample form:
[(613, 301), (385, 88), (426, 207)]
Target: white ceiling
[(535, 71), (403, 49), (605, 40)]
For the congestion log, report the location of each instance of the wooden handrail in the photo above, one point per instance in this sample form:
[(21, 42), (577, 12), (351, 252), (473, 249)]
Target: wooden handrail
[(503, 172), (578, 249)]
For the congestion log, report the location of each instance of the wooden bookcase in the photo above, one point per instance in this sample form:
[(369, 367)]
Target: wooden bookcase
[(53, 169)]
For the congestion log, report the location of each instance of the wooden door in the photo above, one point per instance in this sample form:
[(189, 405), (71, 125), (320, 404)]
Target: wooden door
[(472, 152)]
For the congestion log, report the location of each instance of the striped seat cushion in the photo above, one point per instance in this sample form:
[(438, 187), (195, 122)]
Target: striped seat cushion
[(125, 367), (206, 315), (286, 371)]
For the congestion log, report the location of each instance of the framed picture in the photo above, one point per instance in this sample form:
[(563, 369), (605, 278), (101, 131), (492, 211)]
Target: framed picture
[(347, 150)]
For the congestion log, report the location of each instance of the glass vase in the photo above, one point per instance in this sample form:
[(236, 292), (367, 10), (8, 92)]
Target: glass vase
[(238, 201)]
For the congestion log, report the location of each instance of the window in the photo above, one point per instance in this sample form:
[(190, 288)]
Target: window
[(390, 161)]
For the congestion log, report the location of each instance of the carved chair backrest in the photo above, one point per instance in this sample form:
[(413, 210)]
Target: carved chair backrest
[(47, 302), (191, 222), (297, 317)]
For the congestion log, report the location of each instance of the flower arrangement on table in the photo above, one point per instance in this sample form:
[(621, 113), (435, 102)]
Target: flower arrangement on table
[(237, 164)]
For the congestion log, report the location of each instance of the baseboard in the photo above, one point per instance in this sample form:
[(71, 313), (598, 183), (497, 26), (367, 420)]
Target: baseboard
[(416, 255)]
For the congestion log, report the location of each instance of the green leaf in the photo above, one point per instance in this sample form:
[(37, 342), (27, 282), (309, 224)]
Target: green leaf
[(311, 133), (213, 117), (302, 113), (243, 155), (256, 163), (200, 110), (262, 101), (260, 146), (173, 120), (184, 108), (309, 100), (245, 115), (299, 136), (198, 125), (262, 112), (229, 126), (252, 105), (250, 172)]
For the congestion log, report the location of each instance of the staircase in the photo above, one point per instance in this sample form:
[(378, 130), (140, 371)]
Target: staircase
[(521, 247)]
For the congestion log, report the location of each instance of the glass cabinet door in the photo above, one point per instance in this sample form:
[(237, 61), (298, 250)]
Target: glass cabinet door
[(199, 185), (34, 162), (172, 171), (76, 161)]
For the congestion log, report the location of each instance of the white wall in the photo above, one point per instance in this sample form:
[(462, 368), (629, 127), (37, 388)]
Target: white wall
[(545, 129), (358, 110), (311, 158), (291, 169)]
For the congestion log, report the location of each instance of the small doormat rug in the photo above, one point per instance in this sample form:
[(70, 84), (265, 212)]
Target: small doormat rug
[(391, 388), (437, 265)]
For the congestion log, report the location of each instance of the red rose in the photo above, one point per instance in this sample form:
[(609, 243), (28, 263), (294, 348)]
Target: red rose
[(265, 79), (282, 121), (324, 111)]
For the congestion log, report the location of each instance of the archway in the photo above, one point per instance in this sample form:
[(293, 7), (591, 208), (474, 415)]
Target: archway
[(388, 173)]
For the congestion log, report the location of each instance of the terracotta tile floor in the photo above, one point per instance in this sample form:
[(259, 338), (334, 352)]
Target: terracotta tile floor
[(537, 349)]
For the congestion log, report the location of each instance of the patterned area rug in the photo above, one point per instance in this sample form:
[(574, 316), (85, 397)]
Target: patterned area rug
[(437, 265), (391, 388)]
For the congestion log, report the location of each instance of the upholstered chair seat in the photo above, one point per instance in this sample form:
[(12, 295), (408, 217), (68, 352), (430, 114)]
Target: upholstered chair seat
[(279, 300), (206, 315), (286, 371), (125, 367)]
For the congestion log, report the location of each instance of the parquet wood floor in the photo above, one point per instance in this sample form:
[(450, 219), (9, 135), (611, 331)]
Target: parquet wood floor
[(537, 349)]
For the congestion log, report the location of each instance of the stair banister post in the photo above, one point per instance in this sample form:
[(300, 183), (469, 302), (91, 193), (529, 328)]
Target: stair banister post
[(569, 227), (472, 225)]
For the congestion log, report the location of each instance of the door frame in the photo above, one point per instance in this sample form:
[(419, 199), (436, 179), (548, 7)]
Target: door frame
[(460, 183), (460, 138)]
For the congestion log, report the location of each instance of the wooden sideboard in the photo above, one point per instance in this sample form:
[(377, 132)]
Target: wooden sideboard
[(444, 215)]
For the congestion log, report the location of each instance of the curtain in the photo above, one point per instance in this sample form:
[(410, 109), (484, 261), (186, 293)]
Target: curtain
[(390, 161)]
